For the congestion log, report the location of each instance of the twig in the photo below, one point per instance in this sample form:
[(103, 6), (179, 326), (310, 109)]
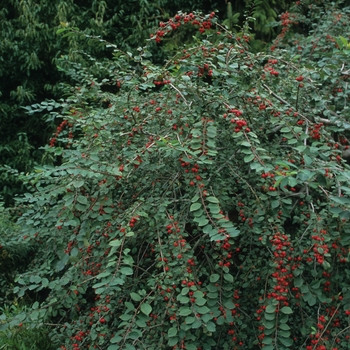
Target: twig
[(175, 88), (250, 187), (322, 120), (326, 327)]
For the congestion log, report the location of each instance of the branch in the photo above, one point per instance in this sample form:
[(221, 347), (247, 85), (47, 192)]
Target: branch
[(174, 87), (322, 120)]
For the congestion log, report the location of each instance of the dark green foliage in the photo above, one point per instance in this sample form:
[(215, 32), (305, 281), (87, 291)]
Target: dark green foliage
[(14, 256), (22, 338)]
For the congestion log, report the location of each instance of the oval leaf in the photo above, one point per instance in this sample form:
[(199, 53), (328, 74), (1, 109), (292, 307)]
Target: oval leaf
[(146, 308), (195, 206)]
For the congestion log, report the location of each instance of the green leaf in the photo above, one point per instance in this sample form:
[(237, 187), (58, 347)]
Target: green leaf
[(284, 326), (298, 282), (284, 334), (82, 199), (200, 301), (146, 308), (184, 311), (172, 332), (198, 294), (195, 206), (172, 341), (229, 304), (183, 299), (292, 182), (321, 180), (269, 324), (286, 341), (207, 229), (274, 204), (248, 158), (60, 265), (185, 291), (125, 317), (212, 200), (340, 200), (129, 305), (214, 278), (113, 347), (135, 296), (211, 327), (270, 308), (78, 183), (309, 298), (131, 347), (116, 339), (232, 231), (286, 129), (202, 309), (307, 160), (190, 319), (286, 310), (336, 211), (126, 270), (114, 170), (134, 334), (195, 199), (267, 341), (270, 316), (216, 237), (103, 274), (214, 208), (202, 221), (228, 277), (35, 279)]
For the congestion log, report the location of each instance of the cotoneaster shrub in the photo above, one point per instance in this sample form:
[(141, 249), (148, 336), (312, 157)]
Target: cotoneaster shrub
[(205, 204)]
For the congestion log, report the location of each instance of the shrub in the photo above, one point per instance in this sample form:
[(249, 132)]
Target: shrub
[(203, 204)]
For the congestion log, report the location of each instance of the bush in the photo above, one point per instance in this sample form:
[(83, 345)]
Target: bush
[(202, 204), (29, 48)]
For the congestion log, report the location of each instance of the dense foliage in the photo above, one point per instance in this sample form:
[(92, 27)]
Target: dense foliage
[(12, 255), (29, 49), (202, 204)]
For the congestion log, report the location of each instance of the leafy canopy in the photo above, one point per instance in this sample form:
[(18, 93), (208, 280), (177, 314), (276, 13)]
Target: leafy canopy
[(204, 203)]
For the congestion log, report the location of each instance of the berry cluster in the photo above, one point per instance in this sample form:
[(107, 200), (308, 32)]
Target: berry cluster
[(205, 71), (240, 123), (287, 20), (315, 131), (203, 23), (269, 67), (59, 129), (282, 275), (133, 221)]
